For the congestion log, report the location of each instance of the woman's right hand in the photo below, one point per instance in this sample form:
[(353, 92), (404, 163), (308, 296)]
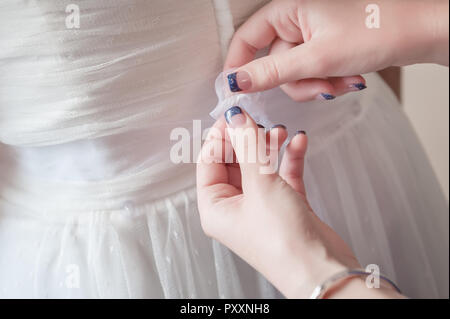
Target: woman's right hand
[(319, 47)]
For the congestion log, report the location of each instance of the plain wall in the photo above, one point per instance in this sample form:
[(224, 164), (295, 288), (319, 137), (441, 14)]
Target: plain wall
[(425, 99)]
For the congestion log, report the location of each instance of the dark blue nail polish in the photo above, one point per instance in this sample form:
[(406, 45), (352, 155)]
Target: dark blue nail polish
[(359, 86), (232, 111), (278, 126), (232, 82), (327, 96), (300, 132)]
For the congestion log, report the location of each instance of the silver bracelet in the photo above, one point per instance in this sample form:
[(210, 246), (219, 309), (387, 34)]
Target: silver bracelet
[(320, 290)]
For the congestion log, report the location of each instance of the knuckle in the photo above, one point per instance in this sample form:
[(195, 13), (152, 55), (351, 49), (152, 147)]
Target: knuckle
[(294, 92), (271, 70)]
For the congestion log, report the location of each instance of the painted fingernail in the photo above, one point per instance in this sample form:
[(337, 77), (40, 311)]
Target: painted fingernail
[(300, 132), (326, 96), (234, 116), (358, 86), (278, 126), (239, 81)]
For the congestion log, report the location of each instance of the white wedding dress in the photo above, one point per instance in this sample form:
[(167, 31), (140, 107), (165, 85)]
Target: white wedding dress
[(91, 205)]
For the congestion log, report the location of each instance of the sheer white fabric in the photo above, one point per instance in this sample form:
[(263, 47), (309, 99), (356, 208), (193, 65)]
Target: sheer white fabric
[(253, 103), (90, 203)]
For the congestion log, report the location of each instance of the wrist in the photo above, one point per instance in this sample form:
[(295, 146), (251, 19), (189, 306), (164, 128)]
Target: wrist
[(304, 287), (307, 268), (357, 288), (423, 32), (439, 16), (309, 262)]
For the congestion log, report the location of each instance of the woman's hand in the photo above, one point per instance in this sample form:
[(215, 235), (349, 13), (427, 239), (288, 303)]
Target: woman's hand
[(264, 216), (318, 47)]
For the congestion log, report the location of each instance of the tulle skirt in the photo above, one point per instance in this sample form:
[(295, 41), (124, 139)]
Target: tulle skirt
[(366, 176)]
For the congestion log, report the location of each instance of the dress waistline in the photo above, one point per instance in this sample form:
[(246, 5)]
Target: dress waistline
[(66, 197)]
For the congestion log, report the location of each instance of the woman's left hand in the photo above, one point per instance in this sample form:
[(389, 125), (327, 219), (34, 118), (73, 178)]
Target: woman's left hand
[(266, 218)]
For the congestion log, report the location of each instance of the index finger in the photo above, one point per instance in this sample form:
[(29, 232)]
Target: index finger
[(260, 30)]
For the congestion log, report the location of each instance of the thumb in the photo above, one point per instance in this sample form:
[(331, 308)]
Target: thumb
[(248, 143), (300, 62)]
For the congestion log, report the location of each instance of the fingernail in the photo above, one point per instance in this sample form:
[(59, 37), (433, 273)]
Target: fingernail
[(234, 116), (239, 81), (358, 86), (300, 132), (326, 96), (278, 126)]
